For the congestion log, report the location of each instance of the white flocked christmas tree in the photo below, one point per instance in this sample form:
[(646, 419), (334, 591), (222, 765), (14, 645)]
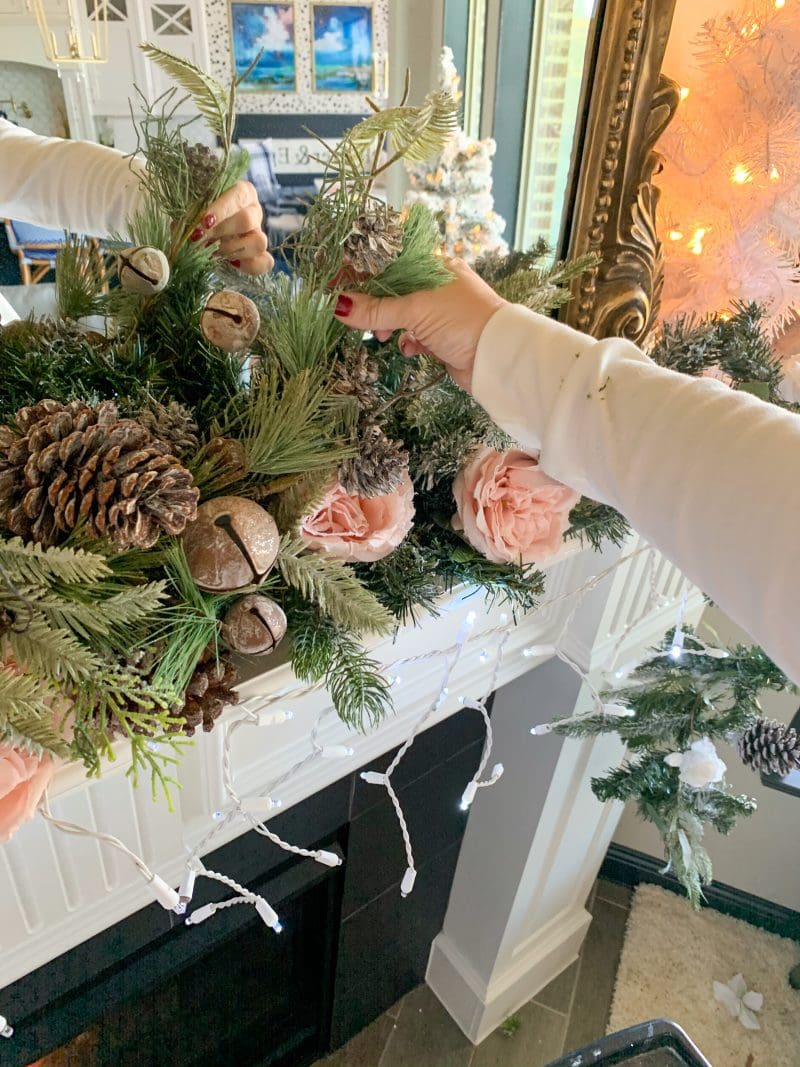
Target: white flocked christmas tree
[(457, 187)]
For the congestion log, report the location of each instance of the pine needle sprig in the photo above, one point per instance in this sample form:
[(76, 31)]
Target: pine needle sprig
[(81, 276), (301, 330), (288, 425)]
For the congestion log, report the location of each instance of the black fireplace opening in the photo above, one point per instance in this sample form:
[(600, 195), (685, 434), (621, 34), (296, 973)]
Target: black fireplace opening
[(151, 990), (229, 990)]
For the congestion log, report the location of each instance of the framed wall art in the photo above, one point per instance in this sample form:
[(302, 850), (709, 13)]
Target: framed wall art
[(319, 58), (268, 29), (342, 41)]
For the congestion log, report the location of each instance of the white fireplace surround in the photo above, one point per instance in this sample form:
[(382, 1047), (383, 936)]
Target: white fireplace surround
[(533, 843)]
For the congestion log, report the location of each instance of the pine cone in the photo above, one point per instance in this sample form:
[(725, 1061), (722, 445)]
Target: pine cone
[(174, 425), (203, 167), (72, 463), (375, 240), (209, 692), (378, 466), (770, 746), (355, 375)]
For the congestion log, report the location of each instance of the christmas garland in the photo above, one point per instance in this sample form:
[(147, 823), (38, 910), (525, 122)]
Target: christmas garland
[(226, 463), (672, 709)]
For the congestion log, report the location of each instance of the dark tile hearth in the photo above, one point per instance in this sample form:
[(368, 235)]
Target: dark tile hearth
[(573, 1009)]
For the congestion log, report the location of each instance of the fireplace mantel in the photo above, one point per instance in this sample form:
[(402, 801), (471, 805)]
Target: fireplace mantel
[(57, 891)]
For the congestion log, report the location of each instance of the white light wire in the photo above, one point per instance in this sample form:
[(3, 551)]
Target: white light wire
[(452, 655)]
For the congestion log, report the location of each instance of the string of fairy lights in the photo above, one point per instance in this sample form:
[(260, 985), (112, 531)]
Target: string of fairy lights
[(251, 811)]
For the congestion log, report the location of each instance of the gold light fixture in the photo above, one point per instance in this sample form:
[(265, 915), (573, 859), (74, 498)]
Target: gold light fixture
[(84, 40)]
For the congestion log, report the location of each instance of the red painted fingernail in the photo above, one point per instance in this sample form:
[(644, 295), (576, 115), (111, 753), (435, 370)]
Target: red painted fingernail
[(196, 233), (344, 305), (235, 262), (210, 221)]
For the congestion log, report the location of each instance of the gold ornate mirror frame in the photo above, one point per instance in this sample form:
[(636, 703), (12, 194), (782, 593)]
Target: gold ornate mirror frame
[(614, 214)]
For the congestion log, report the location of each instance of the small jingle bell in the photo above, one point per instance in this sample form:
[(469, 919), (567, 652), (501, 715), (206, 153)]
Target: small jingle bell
[(230, 320), (143, 270), (255, 625)]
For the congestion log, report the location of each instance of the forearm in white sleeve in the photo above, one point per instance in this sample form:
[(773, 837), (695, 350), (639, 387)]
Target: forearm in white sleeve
[(70, 185), (708, 475)]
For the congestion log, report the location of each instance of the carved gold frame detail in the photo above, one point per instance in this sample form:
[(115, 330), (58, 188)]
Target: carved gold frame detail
[(614, 215)]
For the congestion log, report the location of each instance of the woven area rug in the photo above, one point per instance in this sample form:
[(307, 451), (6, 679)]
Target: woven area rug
[(672, 956)]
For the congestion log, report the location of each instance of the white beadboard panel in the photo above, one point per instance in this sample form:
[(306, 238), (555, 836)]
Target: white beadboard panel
[(56, 891)]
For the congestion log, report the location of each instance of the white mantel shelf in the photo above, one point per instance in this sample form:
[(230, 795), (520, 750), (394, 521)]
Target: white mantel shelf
[(56, 891)]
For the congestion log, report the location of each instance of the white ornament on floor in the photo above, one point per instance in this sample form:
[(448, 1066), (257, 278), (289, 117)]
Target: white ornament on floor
[(740, 1002)]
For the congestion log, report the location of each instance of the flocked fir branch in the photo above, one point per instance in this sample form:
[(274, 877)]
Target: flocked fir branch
[(674, 701)]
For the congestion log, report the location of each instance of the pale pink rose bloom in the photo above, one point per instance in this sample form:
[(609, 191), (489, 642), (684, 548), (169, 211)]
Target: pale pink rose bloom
[(23, 779), (509, 509), (360, 529)]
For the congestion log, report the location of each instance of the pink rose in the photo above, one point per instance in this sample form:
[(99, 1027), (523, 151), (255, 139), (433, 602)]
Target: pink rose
[(23, 779), (509, 509), (360, 529)]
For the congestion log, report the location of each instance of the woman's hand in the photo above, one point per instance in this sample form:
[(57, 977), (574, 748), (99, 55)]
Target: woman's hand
[(234, 220), (446, 322)]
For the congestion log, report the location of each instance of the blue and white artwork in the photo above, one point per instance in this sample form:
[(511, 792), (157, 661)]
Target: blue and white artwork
[(269, 29), (342, 47)]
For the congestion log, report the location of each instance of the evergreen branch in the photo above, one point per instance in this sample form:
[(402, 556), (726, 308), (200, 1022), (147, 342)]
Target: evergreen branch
[(416, 267), (80, 276), (302, 498), (107, 619), (31, 564), (334, 588), (415, 133), (210, 97), (301, 330), (323, 651), (289, 426), (53, 653), (26, 713), (596, 523)]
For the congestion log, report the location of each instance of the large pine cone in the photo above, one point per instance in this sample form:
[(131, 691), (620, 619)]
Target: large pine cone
[(378, 466), (72, 464), (770, 746), (374, 242)]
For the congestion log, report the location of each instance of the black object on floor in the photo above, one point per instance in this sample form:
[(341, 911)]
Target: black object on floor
[(658, 1043)]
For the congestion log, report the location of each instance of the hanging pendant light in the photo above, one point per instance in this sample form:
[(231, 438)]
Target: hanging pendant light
[(83, 40)]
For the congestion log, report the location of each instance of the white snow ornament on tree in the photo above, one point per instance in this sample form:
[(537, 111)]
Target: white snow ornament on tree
[(699, 766)]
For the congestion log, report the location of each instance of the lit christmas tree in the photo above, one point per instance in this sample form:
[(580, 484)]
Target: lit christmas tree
[(730, 206), (457, 186)]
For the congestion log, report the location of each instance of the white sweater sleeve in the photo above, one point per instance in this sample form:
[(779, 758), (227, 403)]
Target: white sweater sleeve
[(708, 475), (70, 185)]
